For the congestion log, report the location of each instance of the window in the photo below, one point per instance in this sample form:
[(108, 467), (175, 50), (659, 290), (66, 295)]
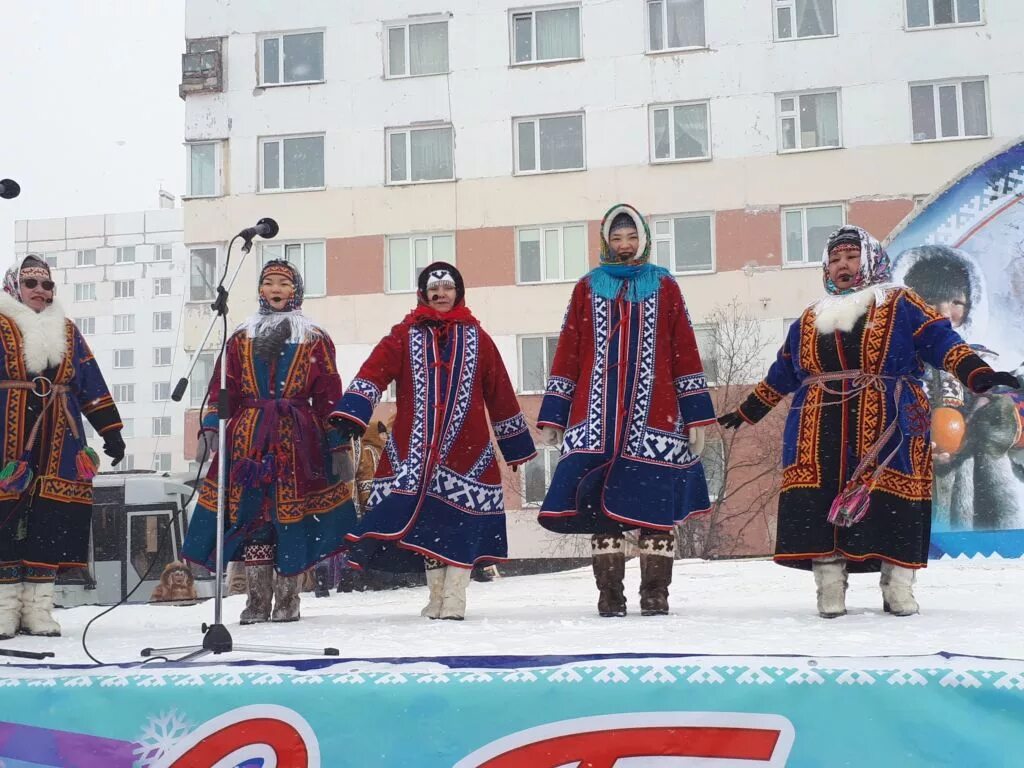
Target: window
[(546, 34), (161, 391), (124, 358), (86, 325), (805, 232), (161, 426), (86, 258), (408, 254), (713, 460), (124, 393), (536, 354), (420, 154), (124, 289), (544, 144), (127, 464), (417, 48), (808, 121), (949, 110), (85, 292), (164, 253), (680, 132), (202, 283), (292, 163), (161, 356), (551, 254), (297, 57), (309, 258), (162, 286), (124, 323), (942, 13), (162, 321), (51, 261), (537, 475), (708, 347), (199, 382), (684, 243), (162, 462), (804, 18), (125, 255), (204, 169), (675, 24), (128, 429)]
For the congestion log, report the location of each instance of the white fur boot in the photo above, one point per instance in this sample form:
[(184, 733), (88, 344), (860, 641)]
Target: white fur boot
[(36, 605), (830, 578), (453, 604), (435, 582), (10, 610), (897, 585)]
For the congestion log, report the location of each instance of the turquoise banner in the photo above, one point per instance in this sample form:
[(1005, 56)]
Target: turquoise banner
[(515, 712)]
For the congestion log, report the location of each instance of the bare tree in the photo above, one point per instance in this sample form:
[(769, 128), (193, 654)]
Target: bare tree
[(743, 466)]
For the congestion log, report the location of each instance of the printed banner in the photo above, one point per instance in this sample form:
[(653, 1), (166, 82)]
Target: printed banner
[(963, 252), (513, 713)]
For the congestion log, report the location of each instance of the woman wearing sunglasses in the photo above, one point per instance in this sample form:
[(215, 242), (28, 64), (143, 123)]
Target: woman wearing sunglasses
[(49, 380)]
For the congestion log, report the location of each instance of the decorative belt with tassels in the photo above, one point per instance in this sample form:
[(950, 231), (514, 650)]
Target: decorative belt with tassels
[(17, 475), (268, 460)]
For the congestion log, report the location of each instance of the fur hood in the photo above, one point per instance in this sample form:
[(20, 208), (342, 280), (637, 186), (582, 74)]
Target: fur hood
[(43, 333)]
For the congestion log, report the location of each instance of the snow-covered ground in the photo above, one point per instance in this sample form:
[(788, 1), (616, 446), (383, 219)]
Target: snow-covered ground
[(736, 608)]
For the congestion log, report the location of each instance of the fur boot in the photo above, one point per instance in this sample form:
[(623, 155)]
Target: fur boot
[(453, 602), (609, 563), (10, 610), (259, 583), (830, 578), (36, 607), (897, 585), (435, 583), (286, 597), (657, 555)]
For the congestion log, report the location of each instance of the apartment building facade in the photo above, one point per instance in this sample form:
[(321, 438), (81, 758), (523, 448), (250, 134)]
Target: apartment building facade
[(121, 278), (384, 135)]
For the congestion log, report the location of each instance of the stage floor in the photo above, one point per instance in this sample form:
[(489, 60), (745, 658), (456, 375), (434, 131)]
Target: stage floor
[(734, 608)]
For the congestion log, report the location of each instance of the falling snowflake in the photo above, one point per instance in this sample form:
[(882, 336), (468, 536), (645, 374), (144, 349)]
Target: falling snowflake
[(159, 736)]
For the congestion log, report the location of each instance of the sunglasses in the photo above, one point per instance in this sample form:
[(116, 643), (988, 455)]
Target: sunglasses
[(31, 282)]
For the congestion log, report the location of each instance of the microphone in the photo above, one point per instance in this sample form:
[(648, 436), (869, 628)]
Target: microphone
[(10, 189), (266, 228)]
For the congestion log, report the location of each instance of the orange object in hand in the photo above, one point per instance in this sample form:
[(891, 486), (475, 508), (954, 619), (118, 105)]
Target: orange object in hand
[(948, 429)]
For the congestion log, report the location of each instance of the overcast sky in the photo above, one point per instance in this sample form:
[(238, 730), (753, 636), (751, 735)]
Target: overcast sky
[(91, 120)]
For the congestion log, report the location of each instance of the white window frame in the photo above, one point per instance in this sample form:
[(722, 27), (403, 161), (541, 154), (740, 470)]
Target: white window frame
[(532, 10), (712, 376), (51, 261), (126, 389), (90, 321), (80, 288), (158, 462), (128, 464), (810, 260), (218, 169), (122, 251), (161, 420), (931, 17), (280, 59), (216, 272), (561, 249), (406, 24), (671, 219), (670, 106), (664, 27), (937, 107), (412, 238), (131, 323), (264, 140), (158, 281), (157, 395), (160, 250), (796, 95), (131, 289), (535, 119), (301, 267), (158, 356), (80, 260), (170, 326), (548, 339), (197, 387), (407, 130), (117, 356), (791, 4), (549, 453)]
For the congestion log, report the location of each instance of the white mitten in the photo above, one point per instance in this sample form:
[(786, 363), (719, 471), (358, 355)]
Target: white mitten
[(552, 436), (696, 435)]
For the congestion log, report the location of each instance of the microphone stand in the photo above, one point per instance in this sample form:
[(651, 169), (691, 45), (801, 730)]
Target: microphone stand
[(216, 637)]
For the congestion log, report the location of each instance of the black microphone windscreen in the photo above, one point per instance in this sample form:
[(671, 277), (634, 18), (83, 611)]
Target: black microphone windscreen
[(10, 189), (267, 228)]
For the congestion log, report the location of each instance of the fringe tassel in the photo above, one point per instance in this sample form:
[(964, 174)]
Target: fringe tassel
[(17, 476), (86, 463), (246, 473)]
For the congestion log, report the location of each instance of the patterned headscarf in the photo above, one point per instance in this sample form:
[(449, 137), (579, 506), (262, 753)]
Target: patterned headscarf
[(875, 267), (32, 265), (287, 270), (614, 219)]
